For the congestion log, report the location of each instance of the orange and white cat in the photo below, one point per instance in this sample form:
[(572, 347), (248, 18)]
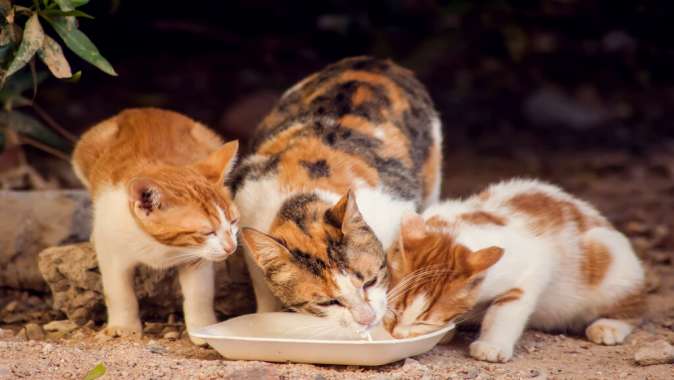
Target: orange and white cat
[(533, 254), (157, 183), (343, 155)]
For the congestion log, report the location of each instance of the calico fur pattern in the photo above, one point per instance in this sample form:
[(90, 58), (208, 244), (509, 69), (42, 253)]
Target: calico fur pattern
[(359, 135), (529, 252)]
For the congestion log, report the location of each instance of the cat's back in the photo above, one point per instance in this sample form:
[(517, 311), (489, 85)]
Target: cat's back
[(140, 137), (360, 117), (540, 207)]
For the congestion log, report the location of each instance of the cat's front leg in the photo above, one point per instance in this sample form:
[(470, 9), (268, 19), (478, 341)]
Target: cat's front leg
[(264, 298), (502, 326), (198, 288), (120, 298)]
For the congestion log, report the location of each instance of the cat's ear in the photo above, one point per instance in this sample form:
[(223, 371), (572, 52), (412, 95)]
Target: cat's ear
[(345, 213), (145, 196), (218, 164), (479, 261), (264, 248)]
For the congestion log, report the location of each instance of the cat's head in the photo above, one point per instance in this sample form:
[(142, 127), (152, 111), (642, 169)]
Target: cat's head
[(434, 280), (324, 260), (188, 207)]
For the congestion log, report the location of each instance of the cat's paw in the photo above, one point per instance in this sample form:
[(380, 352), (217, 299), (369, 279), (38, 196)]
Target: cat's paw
[(490, 352), (115, 331), (608, 331)]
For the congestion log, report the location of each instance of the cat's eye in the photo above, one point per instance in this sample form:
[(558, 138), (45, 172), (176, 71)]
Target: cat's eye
[(234, 221), (331, 302), (212, 233), (370, 283)]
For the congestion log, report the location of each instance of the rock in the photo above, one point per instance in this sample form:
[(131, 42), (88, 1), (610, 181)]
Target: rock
[(75, 281), (658, 352), (153, 328), (6, 333), (64, 326), (171, 335), (47, 348), (412, 368), (156, 348), (33, 331), (39, 219)]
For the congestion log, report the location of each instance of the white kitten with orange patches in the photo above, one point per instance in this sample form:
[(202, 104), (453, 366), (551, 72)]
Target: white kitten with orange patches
[(157, 183), (534, 254)]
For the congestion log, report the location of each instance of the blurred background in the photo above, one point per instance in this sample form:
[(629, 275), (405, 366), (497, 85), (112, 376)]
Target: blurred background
[(545, 74)]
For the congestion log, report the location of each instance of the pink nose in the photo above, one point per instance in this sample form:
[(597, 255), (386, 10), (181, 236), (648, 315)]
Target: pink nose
[(228, 244), (363, 314)]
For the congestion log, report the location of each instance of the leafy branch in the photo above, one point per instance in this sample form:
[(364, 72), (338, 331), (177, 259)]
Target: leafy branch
[(19, 46)]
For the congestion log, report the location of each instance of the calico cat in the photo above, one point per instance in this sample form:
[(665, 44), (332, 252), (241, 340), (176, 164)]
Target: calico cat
[(337, 162), (532, 253), (156, 179)]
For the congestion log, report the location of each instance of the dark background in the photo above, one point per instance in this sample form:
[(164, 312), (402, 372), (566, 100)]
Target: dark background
[(558, 74)]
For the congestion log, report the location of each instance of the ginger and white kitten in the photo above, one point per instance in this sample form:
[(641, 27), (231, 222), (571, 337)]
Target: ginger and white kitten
[(157, 183), (343, 155), (533, 254)]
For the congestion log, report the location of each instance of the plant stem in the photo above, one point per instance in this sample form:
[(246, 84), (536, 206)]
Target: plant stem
[(43, 147), (52, 123)]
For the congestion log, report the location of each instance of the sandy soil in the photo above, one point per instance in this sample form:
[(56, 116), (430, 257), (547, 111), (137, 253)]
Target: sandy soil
[(636, 193)]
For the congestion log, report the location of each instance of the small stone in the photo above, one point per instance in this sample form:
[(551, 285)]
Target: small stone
[(537, 374), (5, 372), (154, 347), (530, 348), (153, 328), (6, 333), (47, 348), (65, 326), (636, 228), (102, 337), (33, 331), (10, 307), (470, 373), (171, 335), (658, 352)]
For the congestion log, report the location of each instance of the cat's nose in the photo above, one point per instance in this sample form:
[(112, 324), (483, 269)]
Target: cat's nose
[(363, 314), (228, 244)]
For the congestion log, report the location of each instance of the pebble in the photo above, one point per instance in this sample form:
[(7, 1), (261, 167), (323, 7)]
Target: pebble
[(658, 352), (102, 337), (33, 331), (47, 348), (6, 333), (154, 347), (171, 335), (4, 371), (65, 326), (153, 328)]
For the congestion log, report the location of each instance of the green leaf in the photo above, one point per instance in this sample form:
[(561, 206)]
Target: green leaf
[(52, 55), (18, 84), (96, 372), (75, 77), (33, 36), (65, 5), (31, 127), (78, 3), (73, 13), (80, 44)]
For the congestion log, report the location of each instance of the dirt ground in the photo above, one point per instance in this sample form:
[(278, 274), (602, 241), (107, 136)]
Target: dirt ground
[(635, 192)]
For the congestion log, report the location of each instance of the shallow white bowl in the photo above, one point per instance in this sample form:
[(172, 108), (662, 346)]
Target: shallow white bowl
[(301, 338)]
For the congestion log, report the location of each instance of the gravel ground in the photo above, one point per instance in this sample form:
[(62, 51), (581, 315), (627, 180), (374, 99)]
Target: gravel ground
[(636, 193)]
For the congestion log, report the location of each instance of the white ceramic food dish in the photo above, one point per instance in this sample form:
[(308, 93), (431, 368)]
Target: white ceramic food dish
[(300, 338)]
